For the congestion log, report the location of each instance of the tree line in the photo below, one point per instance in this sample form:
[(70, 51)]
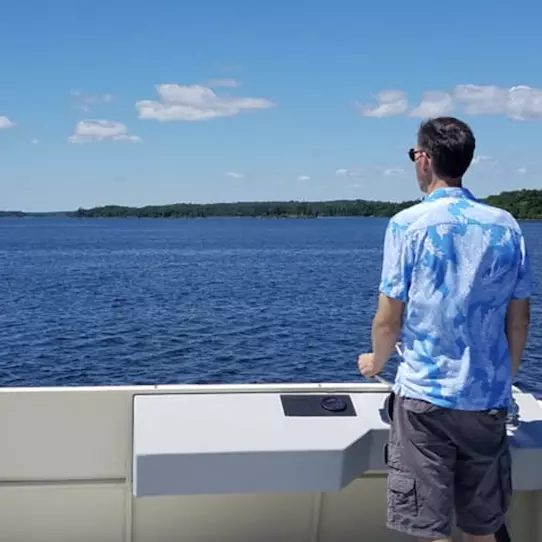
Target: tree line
[(264, 209), (523, 204)]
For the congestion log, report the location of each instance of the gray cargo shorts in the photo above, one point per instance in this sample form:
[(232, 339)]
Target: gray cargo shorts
[(442, 462)]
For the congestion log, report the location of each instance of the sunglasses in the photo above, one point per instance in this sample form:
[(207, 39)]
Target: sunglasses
[(413, 152)]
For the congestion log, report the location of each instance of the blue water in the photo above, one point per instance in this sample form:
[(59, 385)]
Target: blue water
[(88, 302)]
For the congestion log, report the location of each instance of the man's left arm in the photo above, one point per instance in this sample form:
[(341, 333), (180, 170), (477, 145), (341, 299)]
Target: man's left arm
[(394, 285), (386, 329)]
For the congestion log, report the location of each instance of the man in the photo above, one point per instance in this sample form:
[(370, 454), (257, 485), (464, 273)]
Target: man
[(455, 290)]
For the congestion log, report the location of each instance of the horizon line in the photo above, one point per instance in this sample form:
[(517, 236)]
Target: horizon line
[(245, 202)]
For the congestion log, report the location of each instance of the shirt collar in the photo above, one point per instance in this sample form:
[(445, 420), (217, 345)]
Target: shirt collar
[(450, 192)]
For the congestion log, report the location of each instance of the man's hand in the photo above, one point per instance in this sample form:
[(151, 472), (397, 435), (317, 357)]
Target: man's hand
[(368, 365)]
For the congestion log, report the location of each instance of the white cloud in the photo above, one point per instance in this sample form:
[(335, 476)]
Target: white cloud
[(87, 131), (235, 175), (303, 178), (229, 83), (480, 100), (521, 170), (34, 141), (480, 159), (517, 103), (85, 101), (195, 103), (344, 172), (6, 123), (434, 104), (390, 102), (393, 171)]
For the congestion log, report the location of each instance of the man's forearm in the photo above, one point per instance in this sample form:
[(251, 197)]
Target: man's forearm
[(517, 339), (384, 337)]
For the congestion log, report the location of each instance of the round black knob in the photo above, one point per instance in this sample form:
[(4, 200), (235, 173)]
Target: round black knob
[(333, 404)]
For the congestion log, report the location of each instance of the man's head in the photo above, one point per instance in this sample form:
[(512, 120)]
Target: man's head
[(443, 153)]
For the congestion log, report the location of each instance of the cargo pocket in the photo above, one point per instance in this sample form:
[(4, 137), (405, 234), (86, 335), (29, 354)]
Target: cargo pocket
[(402, 498)]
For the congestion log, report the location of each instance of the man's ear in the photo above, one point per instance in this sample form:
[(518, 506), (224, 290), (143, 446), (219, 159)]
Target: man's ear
[(426, 163)]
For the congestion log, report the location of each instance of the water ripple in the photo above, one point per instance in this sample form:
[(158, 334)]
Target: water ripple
[(208, 301)]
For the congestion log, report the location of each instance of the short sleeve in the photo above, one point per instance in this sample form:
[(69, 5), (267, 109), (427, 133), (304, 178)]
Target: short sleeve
[(524, 282), (397, 262)]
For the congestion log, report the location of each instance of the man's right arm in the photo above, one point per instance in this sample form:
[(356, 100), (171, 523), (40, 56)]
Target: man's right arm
[(517, 325), (518, 312)]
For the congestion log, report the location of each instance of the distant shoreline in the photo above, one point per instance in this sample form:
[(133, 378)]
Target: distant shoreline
[(523, 204)]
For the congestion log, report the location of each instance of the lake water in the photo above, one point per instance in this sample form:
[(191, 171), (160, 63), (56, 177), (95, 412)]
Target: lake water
[(102, 302)]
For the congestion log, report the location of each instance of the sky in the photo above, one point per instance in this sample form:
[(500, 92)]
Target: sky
[(138, 102)]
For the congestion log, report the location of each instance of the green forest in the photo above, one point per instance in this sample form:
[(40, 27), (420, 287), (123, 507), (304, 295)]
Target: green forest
[(264, 209), (523, 204)]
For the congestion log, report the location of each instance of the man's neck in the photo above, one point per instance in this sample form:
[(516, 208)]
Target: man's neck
[(444, 183)]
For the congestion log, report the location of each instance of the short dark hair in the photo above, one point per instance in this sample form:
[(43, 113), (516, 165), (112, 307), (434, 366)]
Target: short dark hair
[(450, 144)]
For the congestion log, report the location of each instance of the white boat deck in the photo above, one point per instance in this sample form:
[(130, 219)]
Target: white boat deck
[(215, 463)]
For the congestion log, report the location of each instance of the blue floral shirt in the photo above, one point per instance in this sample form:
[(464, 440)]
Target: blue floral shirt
[(456, 263)]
